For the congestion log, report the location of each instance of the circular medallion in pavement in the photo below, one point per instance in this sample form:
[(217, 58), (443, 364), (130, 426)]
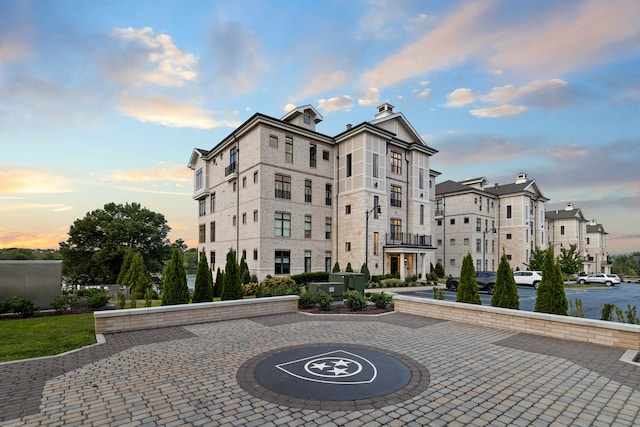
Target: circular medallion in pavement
[(333, 377)]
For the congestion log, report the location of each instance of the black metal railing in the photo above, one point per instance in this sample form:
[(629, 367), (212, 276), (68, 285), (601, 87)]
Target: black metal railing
[(231, 169), (283, 194), (401, 239)]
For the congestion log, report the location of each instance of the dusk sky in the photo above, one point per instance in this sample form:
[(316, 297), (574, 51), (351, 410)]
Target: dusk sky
[(104, 101)]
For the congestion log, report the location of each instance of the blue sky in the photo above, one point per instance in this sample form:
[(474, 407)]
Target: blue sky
[(104, 101)]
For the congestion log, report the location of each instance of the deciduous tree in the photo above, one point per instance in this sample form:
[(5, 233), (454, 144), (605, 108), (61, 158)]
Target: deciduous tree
[(570, 260)]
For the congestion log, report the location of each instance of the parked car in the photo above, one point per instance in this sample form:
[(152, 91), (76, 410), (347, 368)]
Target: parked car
[(486, 281), (529, 278), (600, 278)]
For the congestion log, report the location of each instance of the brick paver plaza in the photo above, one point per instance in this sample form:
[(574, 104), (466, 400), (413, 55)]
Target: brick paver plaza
[(202, 375)]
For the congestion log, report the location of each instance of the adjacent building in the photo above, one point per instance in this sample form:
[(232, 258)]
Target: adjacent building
[(290, 199)]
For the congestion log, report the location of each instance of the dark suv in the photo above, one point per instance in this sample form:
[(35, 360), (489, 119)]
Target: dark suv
[(486, 281)]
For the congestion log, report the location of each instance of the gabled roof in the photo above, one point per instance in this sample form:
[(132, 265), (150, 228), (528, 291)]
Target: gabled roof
[(528, 186), (575, 213), (596, 228), (195, 154), (315, 114), (449, 187), (406, 125)]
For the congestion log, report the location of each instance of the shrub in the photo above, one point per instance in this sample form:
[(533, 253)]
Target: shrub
[(412, 278), (380, 299), (468, 284), (438, 293), (203, 289), (607, 312), (232, 286), (277, 286), (5, 306), (391, 283), (133, 300), (306, 300), (65, 303), (550, 297), (323, 300), (122, 300), (24, 307), (505, 294), (96, 298), (336, 268), (354, 300), (148, 297), (348, 268), (174, 281), (439, 270), (250, 288), (575, 309), (314, 276)]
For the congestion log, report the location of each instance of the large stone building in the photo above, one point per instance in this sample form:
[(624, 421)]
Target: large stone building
[(471, 217), (290, 199)]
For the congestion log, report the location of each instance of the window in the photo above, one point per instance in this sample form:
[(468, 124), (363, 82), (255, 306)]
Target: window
[(212, 231), (347, 246), (202, 207), (255, 216), (288, 150), (421, 179), (328, 194), (307, 226), (282, 262), (325, 155), (283, 186), (562, 230), (508, 211), (396, 196), (466, 220), (452, 221), (421, 214), (396, 162), (347, 210), (244, 217), (202, 231), (439, 208), (213, 202), (439, 242), (212, 259), (452, 242), (376, 203), (588, 241), (452, 262), (233, 159), (273, 141), (396, 228), (439, 222), (376, 165), (348, 165), (235, 220), (508, 257), (199, 182), (478, 224), (478, 245), (478, 265), (255, 254), (327, 228), (327, 261), (307, 261), (466, 241), (283, 224), (255, 177), (307, 190), (235, 185), (312, 155), (376, 241), (508, 236), (307, 119), (244, 254), (480, 205), (244, 182)]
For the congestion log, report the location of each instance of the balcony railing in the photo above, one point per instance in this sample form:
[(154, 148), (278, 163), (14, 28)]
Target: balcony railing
[(439, 212), (407, 239), (283, 194), (231, 171)]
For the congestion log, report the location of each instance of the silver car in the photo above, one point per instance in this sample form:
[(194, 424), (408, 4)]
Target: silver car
[(600, 278), (529, 278)]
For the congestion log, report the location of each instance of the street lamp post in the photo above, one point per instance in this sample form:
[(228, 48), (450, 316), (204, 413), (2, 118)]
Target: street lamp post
[(366, 240), (484, 245)]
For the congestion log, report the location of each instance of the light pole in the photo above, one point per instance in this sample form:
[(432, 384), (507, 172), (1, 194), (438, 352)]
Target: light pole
[(484, 245), (366, 240)]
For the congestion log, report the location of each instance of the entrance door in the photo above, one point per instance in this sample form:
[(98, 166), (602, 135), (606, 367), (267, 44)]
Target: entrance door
[(394, 265)]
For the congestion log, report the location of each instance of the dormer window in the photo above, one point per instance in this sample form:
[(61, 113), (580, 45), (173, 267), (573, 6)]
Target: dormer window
[(307, 119)]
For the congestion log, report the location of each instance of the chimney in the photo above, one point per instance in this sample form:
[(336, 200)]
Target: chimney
[(348, 126), (384, 110), (521, 178), (569, 207), (496, 185)]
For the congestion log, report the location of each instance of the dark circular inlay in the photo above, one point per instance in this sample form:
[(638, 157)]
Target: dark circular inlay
[(333, 376)]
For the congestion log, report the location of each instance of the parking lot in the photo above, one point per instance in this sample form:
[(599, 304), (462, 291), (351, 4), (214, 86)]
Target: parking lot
[(593, 297)]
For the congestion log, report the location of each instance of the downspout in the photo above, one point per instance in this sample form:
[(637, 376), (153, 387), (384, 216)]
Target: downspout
[(406, 212), (337, 181), (444, 231), (237, 199)]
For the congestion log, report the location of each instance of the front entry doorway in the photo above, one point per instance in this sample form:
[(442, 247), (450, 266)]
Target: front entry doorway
[(395, 265)]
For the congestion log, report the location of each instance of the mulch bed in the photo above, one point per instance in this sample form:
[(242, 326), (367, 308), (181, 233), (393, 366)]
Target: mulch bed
[(343, 309)]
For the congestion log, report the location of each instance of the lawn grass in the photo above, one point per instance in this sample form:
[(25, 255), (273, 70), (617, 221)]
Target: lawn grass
[(45, 336)]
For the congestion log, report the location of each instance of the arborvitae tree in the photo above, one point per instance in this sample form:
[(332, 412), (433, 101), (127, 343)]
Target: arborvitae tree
[(217, 287), (231, 287), (243, 272), (468, 284), (174, 281), (137, 277), (505, 293), (430, 267), (203, 291), (550, 297), (126, 261), (336, 268), (364, 270), (439, 270), (349, 269)]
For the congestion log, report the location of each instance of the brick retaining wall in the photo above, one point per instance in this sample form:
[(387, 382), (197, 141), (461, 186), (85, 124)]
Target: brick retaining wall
[(188, 314), (611, 334)]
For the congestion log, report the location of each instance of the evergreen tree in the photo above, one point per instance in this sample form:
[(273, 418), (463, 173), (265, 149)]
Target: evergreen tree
[(439, 270), (217, 287), (505, 293), (174, 281), (231, 287), (203, 291), (468, 284), (349, 269), (550, 297), (336, 268), (137, 277), (124, 269), (243, 272)]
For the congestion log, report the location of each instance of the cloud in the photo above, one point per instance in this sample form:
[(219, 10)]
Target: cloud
[(343, 102), (323, 82), (15, 180), (150, 58), (32, 239), (460, 97), (289, 107), (42, 207), (164, 111), (370, 97), (385, 17), (167, 173), (501, 111), (462, 149)]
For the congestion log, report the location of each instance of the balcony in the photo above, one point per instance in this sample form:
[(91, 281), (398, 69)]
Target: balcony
[(201, 192), (439, 212), (407, 239), (231, 172)]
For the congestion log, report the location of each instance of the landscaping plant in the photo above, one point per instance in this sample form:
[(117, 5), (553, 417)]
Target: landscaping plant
[(174, 281), (354, 300), (505, 293), (323, 300), (438, 293), (380, 299), (203, 290), (550, 297), (468, 285)]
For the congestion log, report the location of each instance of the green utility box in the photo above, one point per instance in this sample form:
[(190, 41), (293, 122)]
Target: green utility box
[(335, 289), (352, 281)]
